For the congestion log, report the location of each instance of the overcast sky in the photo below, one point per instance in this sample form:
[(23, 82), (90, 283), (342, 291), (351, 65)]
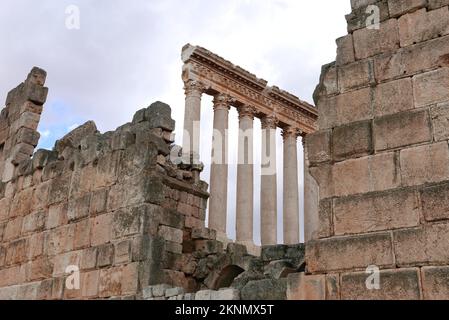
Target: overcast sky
[(126, 55)]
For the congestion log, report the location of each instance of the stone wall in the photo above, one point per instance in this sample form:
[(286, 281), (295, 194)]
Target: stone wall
[(381, 158), (113, 205)]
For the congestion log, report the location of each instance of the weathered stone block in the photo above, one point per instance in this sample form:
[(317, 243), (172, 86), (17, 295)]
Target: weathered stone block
[(98, 202), (90, 283), (400, 7), (431, 87), (130, 279), (423, 245), (422, 25), (332, 287), (401, 129), (398, 284), (369, 42), (89, 258), (127, 222), (57, 216), (376, 212), (159, 116), (325, 227), (204, 234), (435, 202), (352, 140), (345, 50), (226, 294), (110, 282), (78, 208), (345, 108), (64, 260), (318, 146), (105, 255), (59, 240), (412, 60), (425, 164), (356, 75), (123, 253), (101, 228), (266, 289), (440, 121), (302, 287), (171, 234), (435, 282), (34, 222), (373, 173), (345, 253), (393, 97), (361, 16)]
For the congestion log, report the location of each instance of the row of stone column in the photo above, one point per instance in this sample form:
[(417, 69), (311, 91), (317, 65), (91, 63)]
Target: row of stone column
[(245, 169)]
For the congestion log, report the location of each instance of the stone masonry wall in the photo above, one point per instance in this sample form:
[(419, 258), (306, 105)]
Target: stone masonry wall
[(381, 158), (111, 204)]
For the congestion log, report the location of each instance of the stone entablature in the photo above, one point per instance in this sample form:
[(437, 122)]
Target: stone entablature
[(218, 75)]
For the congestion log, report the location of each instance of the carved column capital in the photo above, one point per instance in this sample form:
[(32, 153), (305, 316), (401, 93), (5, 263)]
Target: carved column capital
[(222, 102), (289, 132), (246, 111), (269, 122), (194, 88)]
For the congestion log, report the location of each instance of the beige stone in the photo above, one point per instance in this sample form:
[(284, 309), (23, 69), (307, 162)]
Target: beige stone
[(424, 164), (345, 108), (421, 246), (422, 25), (401, 130), (347, 253), (398, 284), (353, 140), (355, 75), (345, 50), (369, 42), (400, 7), (303, 287), (431, 87), (412, 60), (376, 212), (435, 283), (101, 229), (435, 202), (440, 121), (393, 97)]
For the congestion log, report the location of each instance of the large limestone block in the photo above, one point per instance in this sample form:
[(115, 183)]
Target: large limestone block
[(346, 253), (398, 284)]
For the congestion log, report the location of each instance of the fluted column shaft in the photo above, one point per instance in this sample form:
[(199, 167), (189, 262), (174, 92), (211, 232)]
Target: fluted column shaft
[(219, 165), (268, 192), (245, 177), (192, 116), (291, 189)]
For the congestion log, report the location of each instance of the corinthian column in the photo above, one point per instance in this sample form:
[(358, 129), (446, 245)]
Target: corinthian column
[(219, 166), (268, 194), (245, 177), (291, 193), (192, 115)]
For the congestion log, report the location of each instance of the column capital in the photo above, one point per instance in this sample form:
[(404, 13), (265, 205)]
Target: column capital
[(289, 132), (246, 111), (269, 122), (222, 101), (194, 87)]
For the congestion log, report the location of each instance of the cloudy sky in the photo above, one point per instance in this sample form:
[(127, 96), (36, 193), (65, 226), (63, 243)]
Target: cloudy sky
[(126, 55)]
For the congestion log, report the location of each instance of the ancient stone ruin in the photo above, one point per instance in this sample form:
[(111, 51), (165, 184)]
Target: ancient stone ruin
[(121, 214)]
